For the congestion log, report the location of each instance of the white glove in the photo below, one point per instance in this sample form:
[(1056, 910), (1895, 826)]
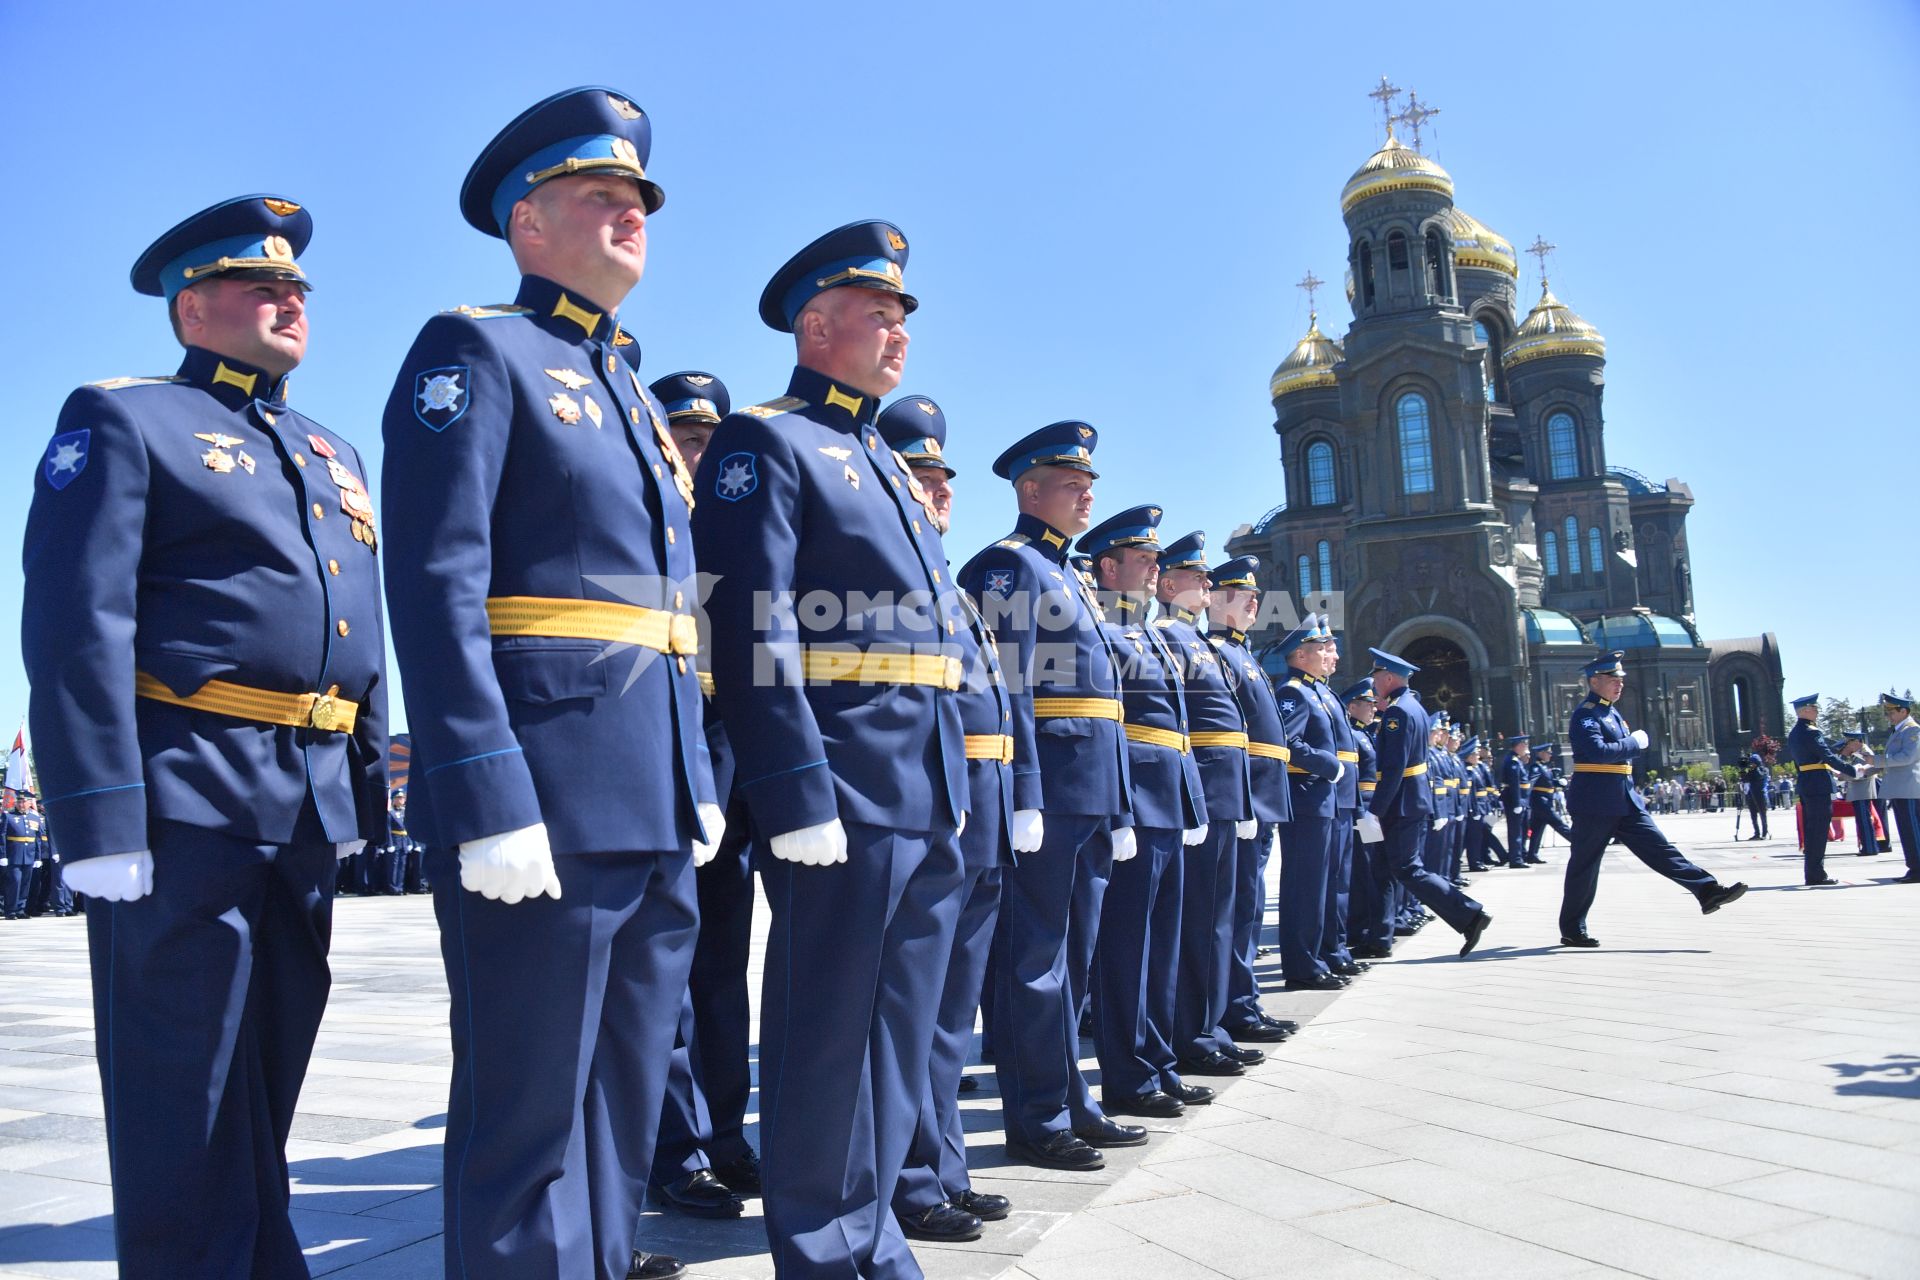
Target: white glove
[(1368, 826), (1639, 737), (347, 848), (1439, 823), (961, 829), (1246, 829), (1029, 828), (1124, 844), (510, 866), (1519, 811), (816, 846), (1273, 849), (1460, 818), (114, 877), (1339, 770), (716, 824), (1194, 835)]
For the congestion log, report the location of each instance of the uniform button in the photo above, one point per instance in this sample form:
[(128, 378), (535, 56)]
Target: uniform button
[(679, 600), (656, 471), (916, 526), (936, 575), (872, 443), (342, 627), (896, 481), (319, 512), (333, 567), (633, 416), (949, 626), (299, 459), (669, 535), (611, 366)]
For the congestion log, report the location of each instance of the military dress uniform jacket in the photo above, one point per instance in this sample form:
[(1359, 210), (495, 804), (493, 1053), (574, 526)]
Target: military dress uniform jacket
[(1440, 777), (1213, 713), (186, 531), (1266, 745), (1603, 753), (1312, 748), (22, 839), (986, 717), (1366, 776), (847, 711), (1900, 779), (1812, 759), (1062, 672), (1167, 791), (1516, 782), (1543, 783), (1404, 790), (541, 579)]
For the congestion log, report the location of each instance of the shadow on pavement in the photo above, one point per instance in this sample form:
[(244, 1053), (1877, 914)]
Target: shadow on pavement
[(1897, 1077), (1517, 953)]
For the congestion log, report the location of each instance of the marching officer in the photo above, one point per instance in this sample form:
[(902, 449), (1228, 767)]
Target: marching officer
[(202, 631), (1815, 764), (1901, 781), (1542, 786), (1063, 666), (1370, 898), (1516, 797), (540, 568), (1137, 962), (1606, 807), (934, 1198), (854, 772), (1402, 808), (1232, 606)]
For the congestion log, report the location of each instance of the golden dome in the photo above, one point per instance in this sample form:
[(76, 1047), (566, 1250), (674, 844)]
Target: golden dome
[(1552, 329), (1394, 167), (1309, 364), (1475, 244)]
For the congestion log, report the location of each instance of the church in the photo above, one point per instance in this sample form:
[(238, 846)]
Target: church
[(1446, 482)]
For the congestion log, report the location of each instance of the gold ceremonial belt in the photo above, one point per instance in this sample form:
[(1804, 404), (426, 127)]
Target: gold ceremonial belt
[(1158, 737), (1351, 757), (24, 839), (1218, 738), (1369, 786), (853, 666), (1077, 708), (603, 620), (1548, 790), (1602, 768), (1810, 768), (322, 711), (990, 746), (1268, 750), (1414, 772)]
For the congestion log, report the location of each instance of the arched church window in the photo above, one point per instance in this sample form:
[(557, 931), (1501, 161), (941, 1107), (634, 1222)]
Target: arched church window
[(1742, 705), (1573, 548), (1320, 487), (1563, 449), (1594, 560), (1306, 579), (1436, 268), (1550, 549), (1489, 361), (1326, 565), (1396, 252), (1366, 273), (1416, 443)]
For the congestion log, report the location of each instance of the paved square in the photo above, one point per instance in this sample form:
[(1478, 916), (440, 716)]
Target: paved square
[(1734, 1096)]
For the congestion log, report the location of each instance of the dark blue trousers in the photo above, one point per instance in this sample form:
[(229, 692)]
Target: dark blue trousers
[(207, 996), (563, 1015), (1333, 928), (13, 887), (1816, 818), (1476, 843), (1544, 817), (1437, 894), (1517, 838), (1083, 936), (1034, 1025), (1206, 941), (1371, 899), (936, 1162), (1863, 827), (856, 960), (1306, 852), (1643, 839), (1906, 820), (1136, 968), (1249, 908), (704, 1115)]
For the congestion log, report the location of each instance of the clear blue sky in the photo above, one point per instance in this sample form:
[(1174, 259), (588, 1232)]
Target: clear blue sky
[(1108, 205)]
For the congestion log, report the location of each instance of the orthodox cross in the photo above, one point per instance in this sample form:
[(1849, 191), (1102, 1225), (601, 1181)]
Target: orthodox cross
[(1311, 283), (1385, 95), (1540, 249), (1416, 115)]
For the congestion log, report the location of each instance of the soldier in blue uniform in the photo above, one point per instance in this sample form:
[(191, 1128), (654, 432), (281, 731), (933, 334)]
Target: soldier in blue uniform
[(1402, 807), (1473, 792), (1306, 838), (1543, 785), (934, 1198), (399, 845), (703, 1164), (854, 771), (202, 631), (1060, 663), (1435, 851), (1606, 807), (1370, 899), (1136, 965), (1232, 607), (1815, 764), (1516, 799), (59, 896), (1756, 792), (540, 569), (39, 890), (16, 860)]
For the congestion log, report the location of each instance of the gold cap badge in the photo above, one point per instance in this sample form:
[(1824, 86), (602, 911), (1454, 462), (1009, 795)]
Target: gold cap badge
[(281, 207)]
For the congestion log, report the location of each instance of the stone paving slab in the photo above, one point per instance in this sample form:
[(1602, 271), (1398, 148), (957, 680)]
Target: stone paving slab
[(1734, 1096)]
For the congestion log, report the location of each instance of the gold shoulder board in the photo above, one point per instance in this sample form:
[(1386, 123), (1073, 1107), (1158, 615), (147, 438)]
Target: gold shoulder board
[(493, 312), (115, 384), (785, 404)]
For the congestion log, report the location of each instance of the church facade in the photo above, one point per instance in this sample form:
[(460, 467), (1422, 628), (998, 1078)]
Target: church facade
[(1447, 482)]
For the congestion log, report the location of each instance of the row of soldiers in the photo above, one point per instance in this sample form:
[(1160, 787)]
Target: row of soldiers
[(396, 865), (31, 883), (935, 775)]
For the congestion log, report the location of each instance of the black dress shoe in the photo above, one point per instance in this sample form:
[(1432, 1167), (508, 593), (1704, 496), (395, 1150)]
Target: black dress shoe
[(1259, 1033), (969, 1084), (1578, 940), (1405, 930), (1819, 884), (1721, 895), (1194, 1095), (1157, 1105), (1214, 1064), (655, 1266), (698, 1195), (1371, 953), (1111, 1133), (742, 1176), (1059, 1150), (1912, 877), (1351, 968), (987, 1208), (942, 1222), (1245, 1057), (1319, 982), (1476, 927)]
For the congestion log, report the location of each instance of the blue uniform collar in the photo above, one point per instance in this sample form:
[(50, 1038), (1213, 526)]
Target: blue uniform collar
[(1051, 542), (1130, 608), (1171, 610), (566, 316), (234, 383), (845, 408)]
